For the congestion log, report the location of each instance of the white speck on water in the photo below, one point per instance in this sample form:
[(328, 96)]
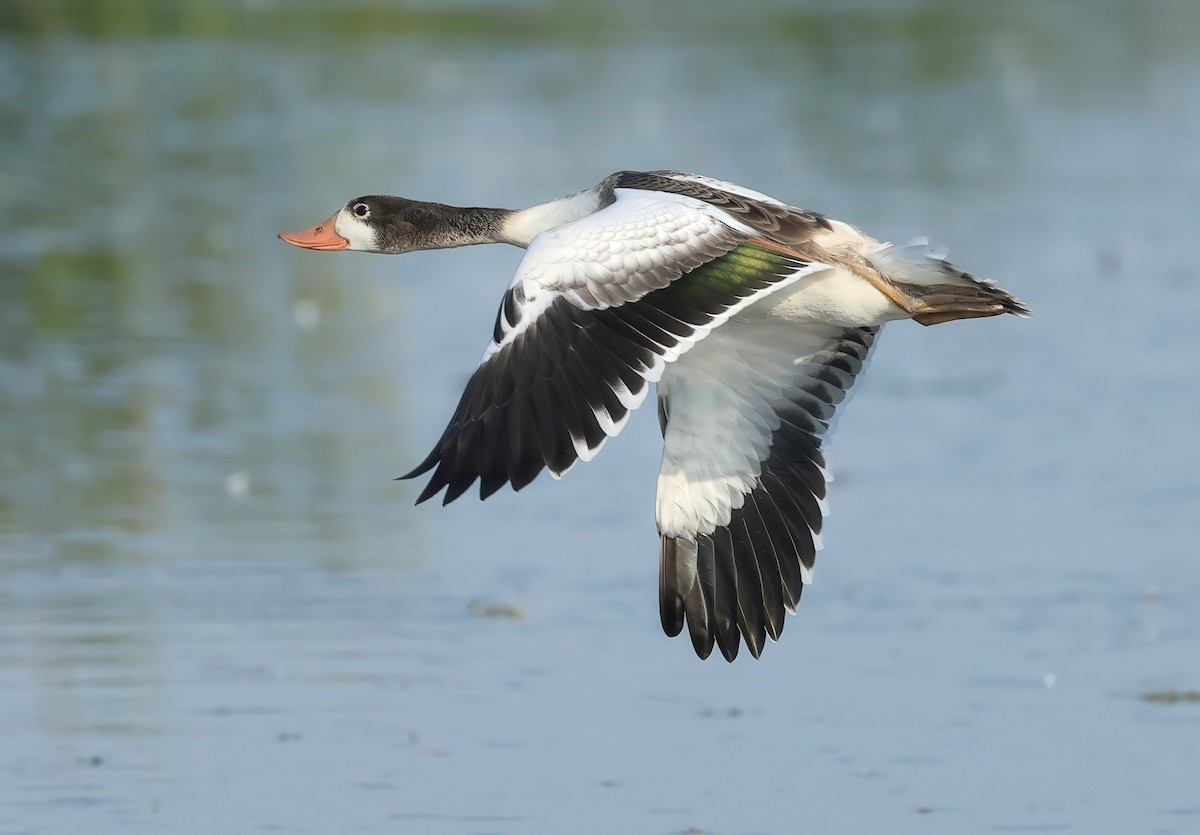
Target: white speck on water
[(237, 484), (307, 314), (1049, 680)]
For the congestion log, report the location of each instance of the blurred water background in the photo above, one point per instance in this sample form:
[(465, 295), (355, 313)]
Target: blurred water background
[(218, 613)]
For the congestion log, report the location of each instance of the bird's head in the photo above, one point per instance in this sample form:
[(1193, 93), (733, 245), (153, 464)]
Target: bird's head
[(375, 223)]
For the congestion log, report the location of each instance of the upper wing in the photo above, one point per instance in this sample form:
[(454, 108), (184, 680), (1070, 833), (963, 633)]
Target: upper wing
[(596, 310), (742, 486), (800, 229)]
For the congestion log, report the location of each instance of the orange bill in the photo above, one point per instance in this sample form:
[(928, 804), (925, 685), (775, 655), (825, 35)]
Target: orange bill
[(322, 236)]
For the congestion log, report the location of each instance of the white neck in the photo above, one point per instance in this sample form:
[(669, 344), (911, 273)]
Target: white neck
[(520, 227)]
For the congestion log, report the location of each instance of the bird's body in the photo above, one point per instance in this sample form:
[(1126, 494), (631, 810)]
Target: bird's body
[(754, 318)]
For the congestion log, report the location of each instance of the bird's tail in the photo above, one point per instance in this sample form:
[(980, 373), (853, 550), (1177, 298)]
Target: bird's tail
[(936, 290)]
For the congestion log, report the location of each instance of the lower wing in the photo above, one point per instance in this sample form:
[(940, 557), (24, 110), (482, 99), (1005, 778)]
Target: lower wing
[(741, 492)]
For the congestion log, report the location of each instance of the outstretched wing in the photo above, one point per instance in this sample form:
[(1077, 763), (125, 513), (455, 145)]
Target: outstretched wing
[(597, 309), (741, 492)]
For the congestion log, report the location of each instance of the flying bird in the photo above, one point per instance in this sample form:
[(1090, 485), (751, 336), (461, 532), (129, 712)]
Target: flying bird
[(753, 318)]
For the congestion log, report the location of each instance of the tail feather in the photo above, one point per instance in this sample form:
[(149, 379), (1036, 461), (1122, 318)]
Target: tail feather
[(938, 290)]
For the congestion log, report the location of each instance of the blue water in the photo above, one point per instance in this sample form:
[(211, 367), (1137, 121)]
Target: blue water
[(219, 613)]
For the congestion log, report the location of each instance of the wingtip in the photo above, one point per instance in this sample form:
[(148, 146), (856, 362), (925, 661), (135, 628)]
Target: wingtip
[(489, 489), (425, 494), (421, 469), (671, 608), (431, 490), (426, 464), (456, 489)]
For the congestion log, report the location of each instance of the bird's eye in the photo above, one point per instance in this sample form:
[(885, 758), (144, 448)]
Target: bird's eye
[(361, 210)]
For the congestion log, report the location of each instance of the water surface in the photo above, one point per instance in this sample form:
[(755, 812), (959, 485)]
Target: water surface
[(219, 613)]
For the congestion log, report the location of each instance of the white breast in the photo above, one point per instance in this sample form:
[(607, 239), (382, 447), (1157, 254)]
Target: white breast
[(833, 296)]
